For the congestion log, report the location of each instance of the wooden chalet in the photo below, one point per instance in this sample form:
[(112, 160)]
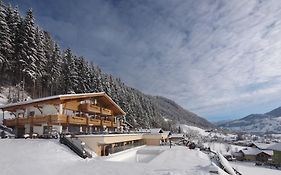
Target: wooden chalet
[(70, 113)]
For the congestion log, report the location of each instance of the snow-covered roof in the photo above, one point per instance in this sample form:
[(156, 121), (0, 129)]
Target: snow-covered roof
[(156, 130), (269, 152), (176, 136), (256, 151), (261, 145), (251, 151), (64, 97), (276, 147)]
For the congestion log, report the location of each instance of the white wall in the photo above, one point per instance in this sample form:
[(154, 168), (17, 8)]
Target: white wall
[(49, 110)]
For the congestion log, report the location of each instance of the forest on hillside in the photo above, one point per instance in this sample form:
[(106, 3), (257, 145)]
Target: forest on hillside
[(32, 61)]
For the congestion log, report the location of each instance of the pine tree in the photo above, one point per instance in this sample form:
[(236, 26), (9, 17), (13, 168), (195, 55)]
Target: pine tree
[(68, 74), (29, 46), (6, 43)]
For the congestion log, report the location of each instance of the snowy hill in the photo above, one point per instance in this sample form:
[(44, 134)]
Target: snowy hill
[(196, 132), (257, 123)]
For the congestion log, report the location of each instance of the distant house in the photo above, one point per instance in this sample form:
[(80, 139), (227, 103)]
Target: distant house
[(276, 152), (255, 154), (264, 156), (261, 146)]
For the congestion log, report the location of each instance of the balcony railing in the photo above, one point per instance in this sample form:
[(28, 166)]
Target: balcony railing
[(114, 125), (58, 119), (95, 122), (9, 122), (77, 120), (86, 107), (106, 111), (106, 123)]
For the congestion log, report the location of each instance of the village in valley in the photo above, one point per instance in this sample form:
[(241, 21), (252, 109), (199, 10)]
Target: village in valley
[(62, 113)]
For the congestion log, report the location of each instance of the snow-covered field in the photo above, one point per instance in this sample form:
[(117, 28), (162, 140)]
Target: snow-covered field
[(223, 148), (48, 157), (250, 169)]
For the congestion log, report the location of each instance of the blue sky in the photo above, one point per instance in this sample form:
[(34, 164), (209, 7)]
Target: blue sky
[(217, 58)]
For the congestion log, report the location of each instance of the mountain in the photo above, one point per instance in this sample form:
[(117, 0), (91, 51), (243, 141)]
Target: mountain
[(170, 110), (269, 122), (31, 61)]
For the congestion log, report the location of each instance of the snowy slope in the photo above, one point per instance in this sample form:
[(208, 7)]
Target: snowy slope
[(250, 169), (48, 157), (199, 132), (255, 123)]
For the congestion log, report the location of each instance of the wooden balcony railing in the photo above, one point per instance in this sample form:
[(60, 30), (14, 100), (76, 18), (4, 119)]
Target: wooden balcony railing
[(106, 123), (77, 120), (40, 119), (58, 119), (9, 122), (23, 121), (95, 122), (86, 107), (105, 111), (114, 125)]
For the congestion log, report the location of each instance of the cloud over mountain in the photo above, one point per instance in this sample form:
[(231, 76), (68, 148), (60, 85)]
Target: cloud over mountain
[(218, 58)]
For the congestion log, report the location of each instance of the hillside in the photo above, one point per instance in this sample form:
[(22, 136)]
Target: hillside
[(170, 110), (31, 61), (269, 122)]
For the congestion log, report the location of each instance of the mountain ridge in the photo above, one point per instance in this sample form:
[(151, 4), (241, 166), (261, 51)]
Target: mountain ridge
[(256, 123)]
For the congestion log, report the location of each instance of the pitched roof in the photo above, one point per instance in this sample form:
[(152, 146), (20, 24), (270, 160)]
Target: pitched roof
[(261, 145), (251, 151), (276, 147), (65, 97), (255, 151)]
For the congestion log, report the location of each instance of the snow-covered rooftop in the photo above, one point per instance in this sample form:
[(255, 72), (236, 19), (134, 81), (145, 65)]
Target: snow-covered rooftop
[(276, 147), (64, 97)]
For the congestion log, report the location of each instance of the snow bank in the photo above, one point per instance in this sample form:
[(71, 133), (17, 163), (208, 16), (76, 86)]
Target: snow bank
[(250, 169), (220, 171), (48, 157), (225, 164)]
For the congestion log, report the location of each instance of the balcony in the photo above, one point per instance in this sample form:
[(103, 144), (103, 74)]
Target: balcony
[(40, 119), (23, 121), (114, 125), (9, 122), (77, 120), (105, 111), (95, 122), (57, 119), (86, 107), (106, 123)]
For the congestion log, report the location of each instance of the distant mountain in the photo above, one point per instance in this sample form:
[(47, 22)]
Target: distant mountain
[(170, 110), (269, 122), (31, 61)]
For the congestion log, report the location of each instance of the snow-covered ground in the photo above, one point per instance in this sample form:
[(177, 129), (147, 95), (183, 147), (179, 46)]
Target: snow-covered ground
[(48, 157), (246, 168), (196, 132), (223, 148)]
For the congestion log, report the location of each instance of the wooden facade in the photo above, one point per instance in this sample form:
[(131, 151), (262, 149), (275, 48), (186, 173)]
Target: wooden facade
[(85, 113)]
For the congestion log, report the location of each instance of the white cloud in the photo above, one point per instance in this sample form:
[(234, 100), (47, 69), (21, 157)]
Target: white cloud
[(213, 57)]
